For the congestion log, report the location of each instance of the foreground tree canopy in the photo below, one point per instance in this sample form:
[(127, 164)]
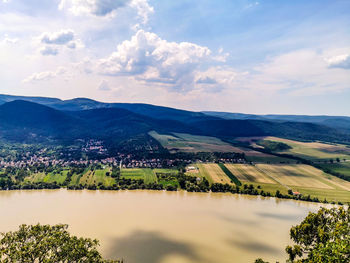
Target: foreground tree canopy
[(49, 244), (322, 237)]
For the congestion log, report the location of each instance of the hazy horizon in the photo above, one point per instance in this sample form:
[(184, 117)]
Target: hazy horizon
[(253, 57), (262, 114)]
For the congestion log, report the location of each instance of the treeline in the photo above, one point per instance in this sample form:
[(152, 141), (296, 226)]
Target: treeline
[(166, 181)]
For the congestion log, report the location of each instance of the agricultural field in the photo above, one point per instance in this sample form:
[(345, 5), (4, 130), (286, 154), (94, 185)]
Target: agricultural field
[(52, 177), (271, 177), (145, 174), (193, 143), (298, 177), (162, 176), (93, 177), (181, 142), (214, 173), (249, 173), (314, 150), (341, 168)]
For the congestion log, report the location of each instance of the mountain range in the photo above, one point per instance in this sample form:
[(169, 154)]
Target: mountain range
[(40, 119)]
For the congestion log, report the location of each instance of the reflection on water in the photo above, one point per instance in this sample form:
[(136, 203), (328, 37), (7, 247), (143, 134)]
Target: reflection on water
[(163, 227), (253, 246), (147, 246)]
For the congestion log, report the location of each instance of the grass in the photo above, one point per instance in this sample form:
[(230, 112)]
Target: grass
[(342, 168), (100, 177), (314, 150), (35, 178), (249, 173), (303, 178), (94, 177), (193, 143), (294, 175), (75, 179), (145, 174), (55, 177), (204, 173), (230, 175), (272, 177), (214, 173)]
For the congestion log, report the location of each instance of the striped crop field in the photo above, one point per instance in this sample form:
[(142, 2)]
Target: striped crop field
[(301, 178), (249, 173), (214, 173)]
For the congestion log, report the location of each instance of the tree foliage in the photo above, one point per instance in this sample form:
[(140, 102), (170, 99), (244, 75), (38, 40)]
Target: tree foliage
[(322, 237), (47, 244)]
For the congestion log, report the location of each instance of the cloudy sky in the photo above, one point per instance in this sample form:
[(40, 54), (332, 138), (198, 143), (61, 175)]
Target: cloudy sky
[(262, 56)]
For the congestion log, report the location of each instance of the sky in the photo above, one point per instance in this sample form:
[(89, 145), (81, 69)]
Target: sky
[(265, 56)]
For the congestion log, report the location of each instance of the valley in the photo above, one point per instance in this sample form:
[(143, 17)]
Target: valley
[(47, 143)]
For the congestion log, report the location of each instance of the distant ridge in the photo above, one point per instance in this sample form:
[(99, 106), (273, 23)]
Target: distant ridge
[(40, 118)]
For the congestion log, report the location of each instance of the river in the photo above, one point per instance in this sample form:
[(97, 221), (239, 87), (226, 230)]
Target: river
[(163, 227)]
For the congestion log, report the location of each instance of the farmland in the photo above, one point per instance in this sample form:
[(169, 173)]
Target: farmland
[(58, 177), (271, 177), (342, 168), (228, 177), (181, 142), (213, 173), (145, 174), (313, 150), (193, 143)]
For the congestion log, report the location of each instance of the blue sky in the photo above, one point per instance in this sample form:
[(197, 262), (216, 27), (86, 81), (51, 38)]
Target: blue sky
[(290, 57)]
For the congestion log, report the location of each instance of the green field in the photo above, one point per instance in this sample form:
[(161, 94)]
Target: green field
[(96, 177), (75, 179), (343, 167), (302, 178), (55, 177), (145, 174), (152, 175), (314, 150), (58, 177), (193, 143)]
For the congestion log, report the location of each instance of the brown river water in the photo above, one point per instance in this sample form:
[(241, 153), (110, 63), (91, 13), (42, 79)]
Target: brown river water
[(163, 227)]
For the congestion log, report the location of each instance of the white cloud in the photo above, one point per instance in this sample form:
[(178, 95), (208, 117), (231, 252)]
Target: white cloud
[(45, 75), (143, 9), (58, 38), (102, 8), (341, 61), (8, 40), (95, 7), (219, 76), (152, 59), (53, 41), (104, 86), (47, 51)]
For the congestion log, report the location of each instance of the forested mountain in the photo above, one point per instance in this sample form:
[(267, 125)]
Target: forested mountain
[(166, 113), (25, 121), (341, 122)]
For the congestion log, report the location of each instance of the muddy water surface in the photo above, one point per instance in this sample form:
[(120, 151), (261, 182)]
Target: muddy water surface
[(163, 227)]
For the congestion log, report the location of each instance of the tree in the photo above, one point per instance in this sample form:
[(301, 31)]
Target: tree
[(322, 237), (49, 244)]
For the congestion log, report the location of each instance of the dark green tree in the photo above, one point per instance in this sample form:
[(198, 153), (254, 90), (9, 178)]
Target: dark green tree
[(49, 244), (322, 237)]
